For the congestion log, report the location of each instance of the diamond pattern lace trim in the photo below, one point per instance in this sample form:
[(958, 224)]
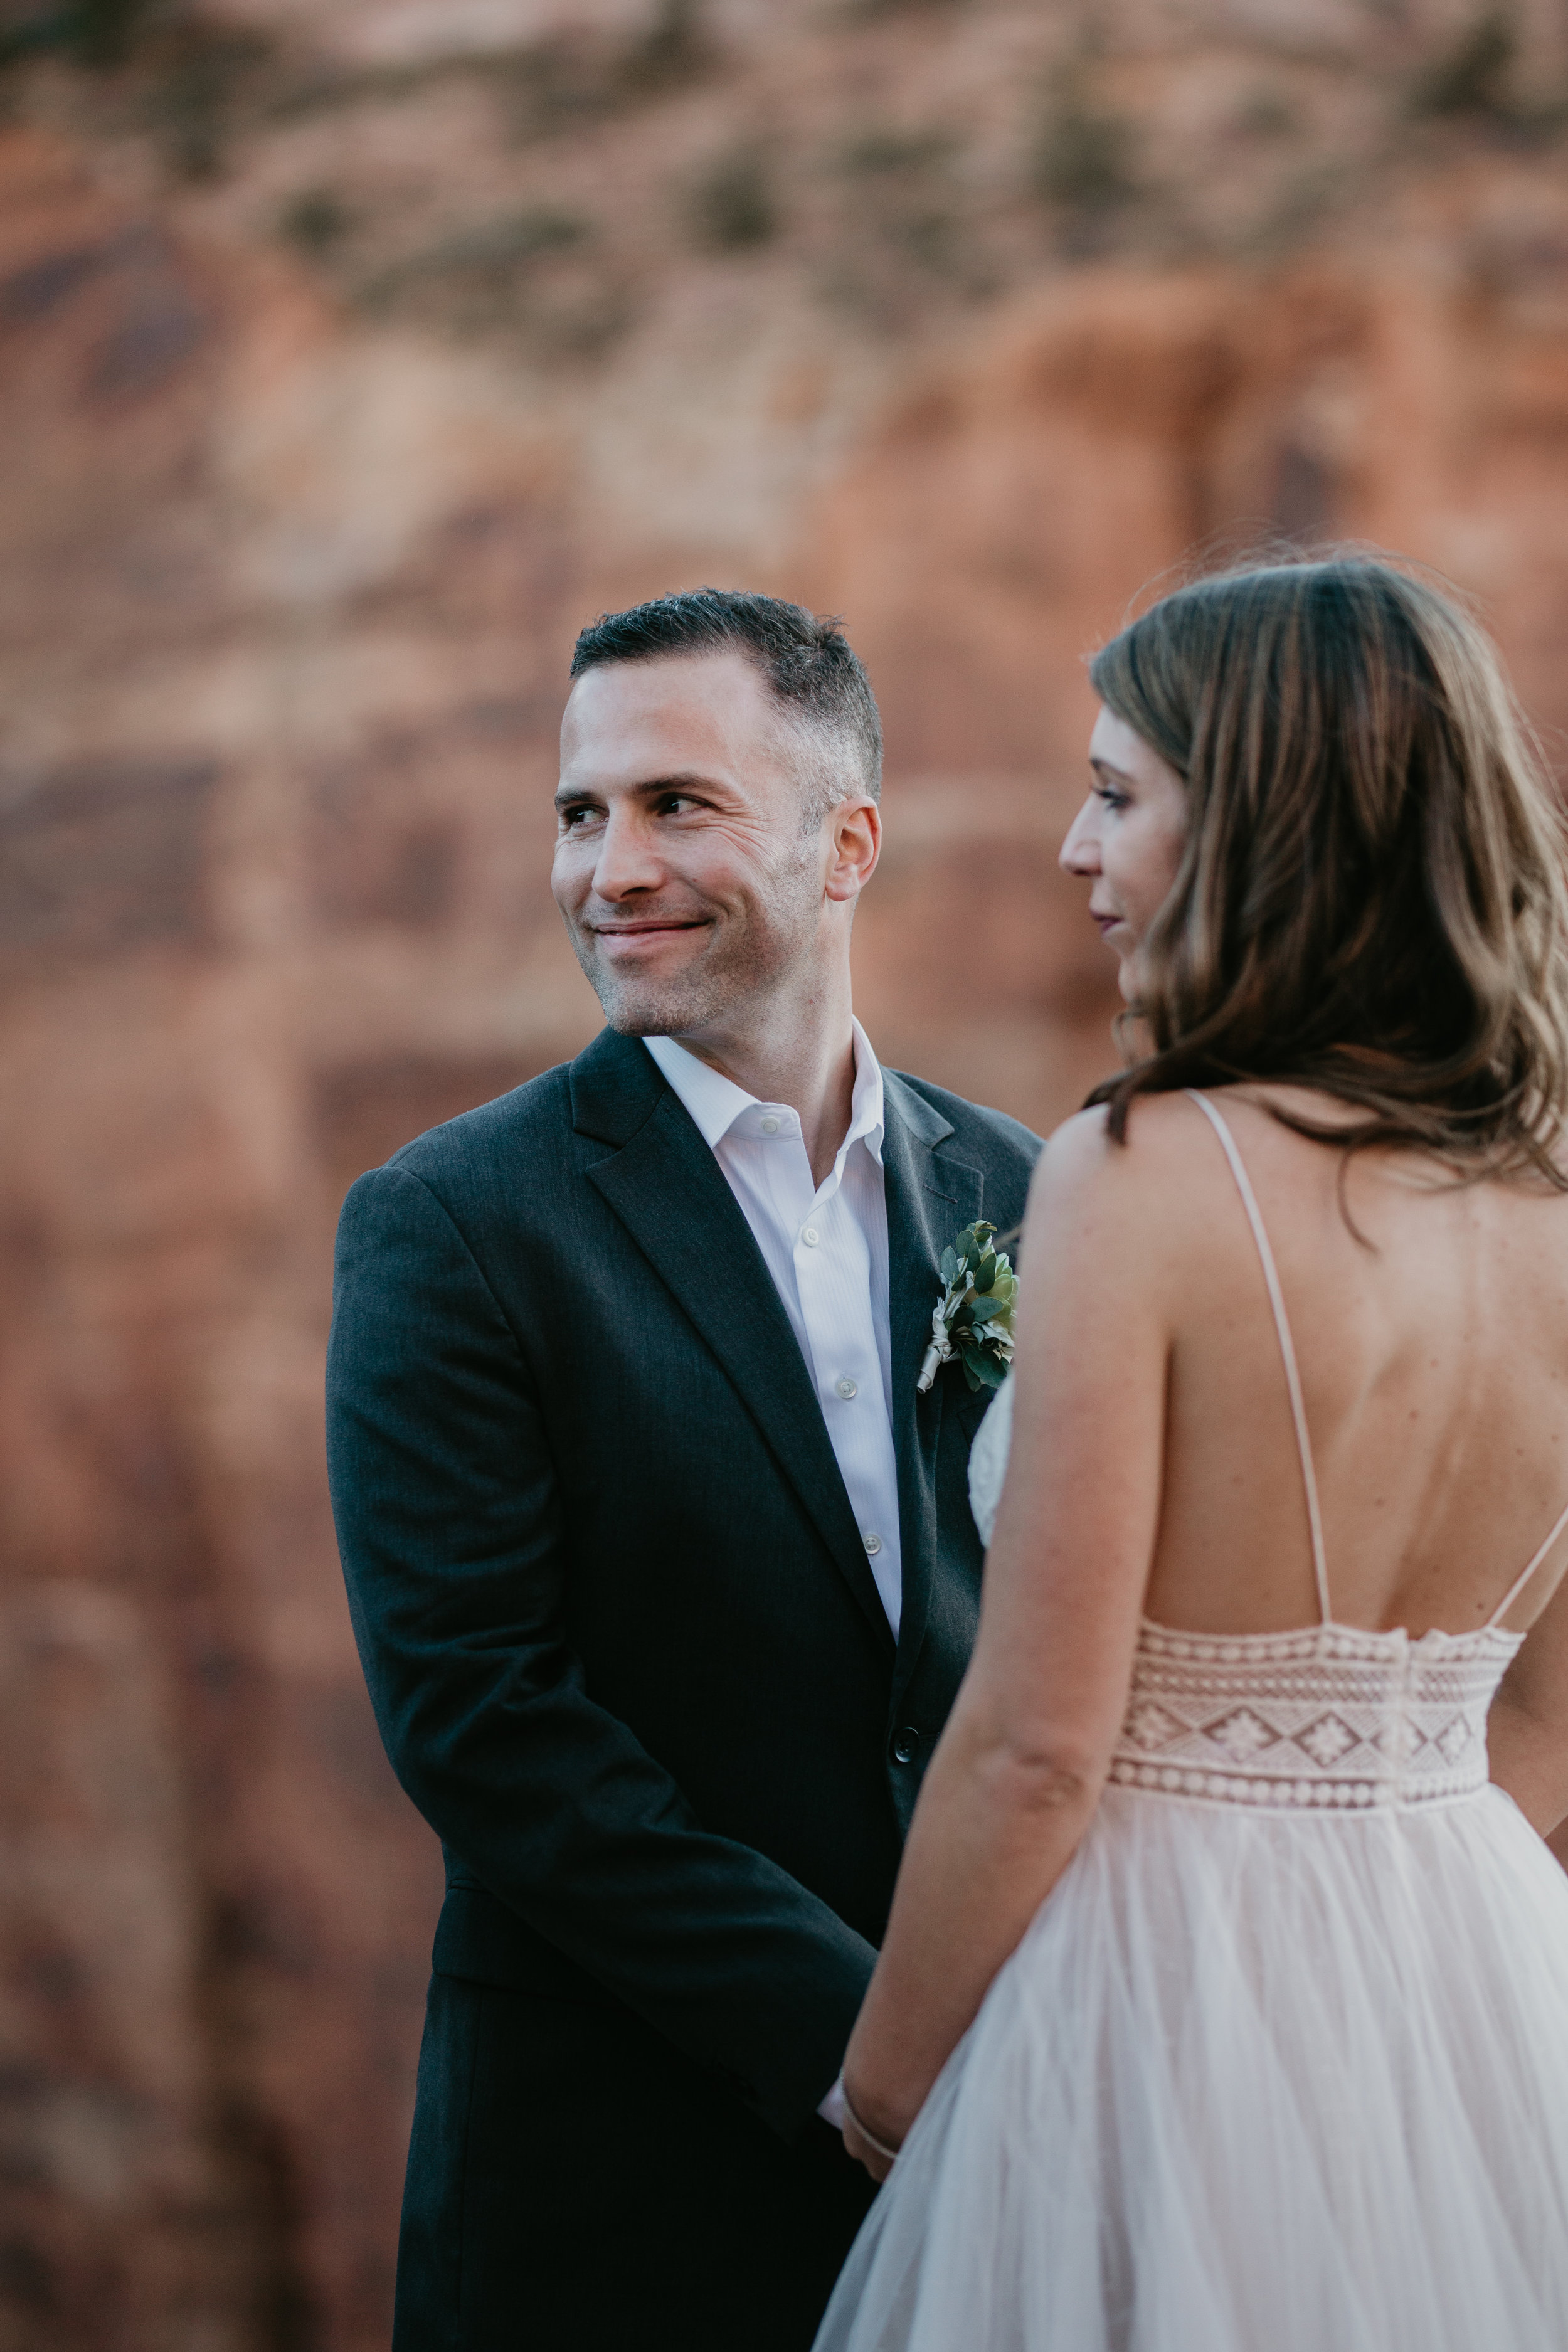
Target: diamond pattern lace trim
[(1329, 1718)]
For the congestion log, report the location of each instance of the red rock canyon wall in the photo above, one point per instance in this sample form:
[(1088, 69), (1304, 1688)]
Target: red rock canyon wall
[(350, 356)]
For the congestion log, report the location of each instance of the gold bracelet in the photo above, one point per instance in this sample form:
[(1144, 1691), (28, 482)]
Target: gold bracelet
[(869, 2137)]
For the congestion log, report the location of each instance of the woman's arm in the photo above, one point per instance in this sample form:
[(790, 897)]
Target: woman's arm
[(1527, 1731), (1020, 1766)]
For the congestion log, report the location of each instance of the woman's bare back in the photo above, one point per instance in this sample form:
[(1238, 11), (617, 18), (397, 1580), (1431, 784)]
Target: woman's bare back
[(1433, 1365)]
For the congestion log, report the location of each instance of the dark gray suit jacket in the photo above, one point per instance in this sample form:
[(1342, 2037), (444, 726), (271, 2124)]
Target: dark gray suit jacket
[(623, 1645)]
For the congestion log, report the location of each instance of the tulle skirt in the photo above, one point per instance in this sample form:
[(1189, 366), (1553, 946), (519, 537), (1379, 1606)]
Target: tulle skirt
[(1251, 2083)]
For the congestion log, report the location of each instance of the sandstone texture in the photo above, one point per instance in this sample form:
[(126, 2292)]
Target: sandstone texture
[(352, 355)]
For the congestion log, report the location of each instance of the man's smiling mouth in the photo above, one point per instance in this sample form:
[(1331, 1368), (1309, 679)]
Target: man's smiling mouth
[(647, 931), (625, 938)]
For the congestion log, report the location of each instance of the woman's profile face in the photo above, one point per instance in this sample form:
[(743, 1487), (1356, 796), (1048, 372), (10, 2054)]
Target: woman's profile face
[(1126, 840)]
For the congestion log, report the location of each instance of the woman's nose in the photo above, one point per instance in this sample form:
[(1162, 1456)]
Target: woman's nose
[(1080, 852)]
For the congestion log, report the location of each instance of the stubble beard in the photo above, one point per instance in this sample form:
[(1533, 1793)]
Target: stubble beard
[(742, 961), (637, 1006)]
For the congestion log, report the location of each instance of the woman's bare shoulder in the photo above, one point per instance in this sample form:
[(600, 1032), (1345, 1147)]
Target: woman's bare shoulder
[(1157, 1126), (1124, 1232), (1168, 1154)]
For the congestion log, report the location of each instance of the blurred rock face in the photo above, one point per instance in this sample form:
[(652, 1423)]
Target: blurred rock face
[(350, 358)]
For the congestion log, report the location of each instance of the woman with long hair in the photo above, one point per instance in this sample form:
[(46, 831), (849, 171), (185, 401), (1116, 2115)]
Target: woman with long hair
[(1224, 2003)]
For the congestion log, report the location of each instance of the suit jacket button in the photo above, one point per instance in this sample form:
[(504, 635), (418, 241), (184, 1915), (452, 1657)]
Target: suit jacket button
[(905, 1745)]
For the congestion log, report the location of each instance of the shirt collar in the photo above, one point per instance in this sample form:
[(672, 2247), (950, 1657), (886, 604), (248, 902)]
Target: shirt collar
[(717, 1104)]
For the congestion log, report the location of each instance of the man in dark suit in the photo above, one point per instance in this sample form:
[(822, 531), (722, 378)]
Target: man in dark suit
[(663, 1573)]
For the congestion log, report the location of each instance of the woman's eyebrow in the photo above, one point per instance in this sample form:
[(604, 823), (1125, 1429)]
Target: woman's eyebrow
[(1104, 768)]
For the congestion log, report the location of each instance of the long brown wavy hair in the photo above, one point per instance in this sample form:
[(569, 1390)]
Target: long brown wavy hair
[(1372, 897)]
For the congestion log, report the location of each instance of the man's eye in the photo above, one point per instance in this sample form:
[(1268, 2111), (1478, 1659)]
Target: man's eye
[(572, 817)]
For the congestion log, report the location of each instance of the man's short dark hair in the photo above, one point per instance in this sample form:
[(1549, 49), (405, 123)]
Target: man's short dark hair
[(812, 671)]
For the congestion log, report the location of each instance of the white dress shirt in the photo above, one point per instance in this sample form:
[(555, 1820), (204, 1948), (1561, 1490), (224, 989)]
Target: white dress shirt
[(825, 1246)]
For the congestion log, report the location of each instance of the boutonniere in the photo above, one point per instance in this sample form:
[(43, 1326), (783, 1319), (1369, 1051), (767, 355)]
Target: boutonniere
[(972, 1322)]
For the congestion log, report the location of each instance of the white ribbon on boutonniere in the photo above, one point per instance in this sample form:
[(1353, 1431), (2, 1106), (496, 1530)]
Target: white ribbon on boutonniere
[(972, 1323)]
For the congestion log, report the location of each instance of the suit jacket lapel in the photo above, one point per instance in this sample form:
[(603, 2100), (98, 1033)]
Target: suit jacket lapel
[(931, 1198), (669, 1192)]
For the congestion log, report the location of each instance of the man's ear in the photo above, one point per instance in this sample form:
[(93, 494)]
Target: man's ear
[(857, 839)]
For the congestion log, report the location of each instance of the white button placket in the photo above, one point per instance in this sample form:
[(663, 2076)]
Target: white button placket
[(825, 1260), (831, 1267)]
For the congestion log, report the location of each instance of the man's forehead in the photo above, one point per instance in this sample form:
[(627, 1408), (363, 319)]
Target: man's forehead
[(700, 687), (707, 712)]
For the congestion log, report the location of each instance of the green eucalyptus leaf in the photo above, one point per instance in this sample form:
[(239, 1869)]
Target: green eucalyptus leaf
[(977, 1310)]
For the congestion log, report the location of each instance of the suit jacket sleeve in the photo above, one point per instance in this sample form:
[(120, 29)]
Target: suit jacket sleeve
[(451, 1529)]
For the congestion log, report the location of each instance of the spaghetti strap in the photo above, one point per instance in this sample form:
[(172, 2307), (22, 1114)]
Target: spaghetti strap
[(1287, 1351), (1517, 1586)]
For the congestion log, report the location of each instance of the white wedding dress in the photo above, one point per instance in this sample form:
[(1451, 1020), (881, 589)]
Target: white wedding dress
[(1282, 2062)]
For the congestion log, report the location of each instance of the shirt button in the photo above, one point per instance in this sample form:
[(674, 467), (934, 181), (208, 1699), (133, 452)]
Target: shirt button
[(810, 1237), (906, 1744), (873, 1543), (770, 1125), (847, 1387)]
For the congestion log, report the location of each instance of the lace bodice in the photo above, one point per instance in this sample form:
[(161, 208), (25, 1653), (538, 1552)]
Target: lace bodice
[(1327, 1719), (1330, 1718)]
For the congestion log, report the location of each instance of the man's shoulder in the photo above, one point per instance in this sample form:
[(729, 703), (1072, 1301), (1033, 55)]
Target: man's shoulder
[(530, 1143), (496, 1170), (513, 1124), (974, 1126)]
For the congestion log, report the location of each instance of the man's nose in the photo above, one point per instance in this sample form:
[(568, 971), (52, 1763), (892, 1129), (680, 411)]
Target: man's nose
[(628, 860), (1080, 852)]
